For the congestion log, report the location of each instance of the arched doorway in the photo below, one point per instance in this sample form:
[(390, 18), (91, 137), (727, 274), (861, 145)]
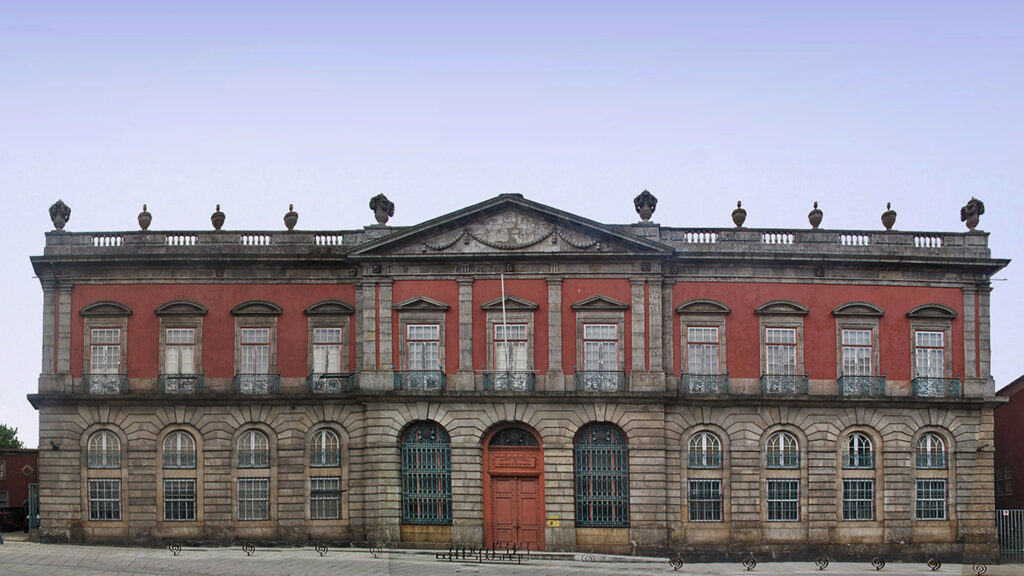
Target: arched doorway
[(513, 488)]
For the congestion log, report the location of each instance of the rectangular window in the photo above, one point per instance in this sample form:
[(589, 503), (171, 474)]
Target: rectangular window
[(780, 351), (930, 354), (931, 499), (3, 469), (423, 343), (1008, 480), (600, 347), (105, 351), (180, 499), (324, 496), (705, 500), (510, 350), (5, 499), (104, 499), (857, 352), (327, 350), (783, 500), (253, 498), (255, 351), (702, 350), (180, 351), (858, 499)]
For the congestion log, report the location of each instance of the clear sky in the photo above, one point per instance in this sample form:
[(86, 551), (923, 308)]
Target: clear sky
[(579, 105)]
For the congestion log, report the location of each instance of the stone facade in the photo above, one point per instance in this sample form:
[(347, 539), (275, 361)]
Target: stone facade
[(609, 318)]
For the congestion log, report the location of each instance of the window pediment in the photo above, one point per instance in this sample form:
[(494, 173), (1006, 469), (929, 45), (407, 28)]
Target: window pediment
[(599, 302), (257, 308), (105, 308), (703, 306), (858, 308), (181, 308), (781, 307), (422, 303), (933, 312), (511, 303), (334, 307)]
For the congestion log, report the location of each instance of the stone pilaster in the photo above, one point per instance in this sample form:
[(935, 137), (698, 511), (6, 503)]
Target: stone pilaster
[(638, 312), (971, 375), (386, 338), (985, 339), (556, 373), (465, 379)]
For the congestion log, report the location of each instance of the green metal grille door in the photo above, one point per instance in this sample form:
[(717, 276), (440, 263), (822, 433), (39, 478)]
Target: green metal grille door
[(602, 476), (1010, 524), (426, 475)]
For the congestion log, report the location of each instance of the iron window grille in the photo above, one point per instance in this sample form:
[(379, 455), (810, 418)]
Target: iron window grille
[(181, 383), (858, 499), (426, 475), (859, 452), (783, 500), (782, 451), (601, 458), (861, 385), (104, 450), (104, 383), (600, 381), (931, 452), (420, 380), (705, 500), (931, 499), (253, 498), (180, 499), (179, 450), (253, 450), (105, 500), (324, 497), (325, 449), (705, 451), (704, 384), (508, 381), (257, 383), (330, 383), (932, 387)]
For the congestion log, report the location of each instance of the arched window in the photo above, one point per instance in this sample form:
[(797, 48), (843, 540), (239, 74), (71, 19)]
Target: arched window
[(253, 450), (782, 451), (859, 453), (179, 450), (601, 466), (324, 449), (705, 451), (931, 452), (426, 475), (104, 450)]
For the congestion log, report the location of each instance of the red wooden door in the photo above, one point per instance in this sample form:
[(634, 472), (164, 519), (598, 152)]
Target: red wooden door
[(515, 510)]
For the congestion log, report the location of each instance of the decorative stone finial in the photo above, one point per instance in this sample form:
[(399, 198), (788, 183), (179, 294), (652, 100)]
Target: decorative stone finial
[(217, 218), (645, 204), (739, 215), (60, 213), (889, 216), (382, 208), (971, 213), (145, 218), (814, 216), (291, 217)]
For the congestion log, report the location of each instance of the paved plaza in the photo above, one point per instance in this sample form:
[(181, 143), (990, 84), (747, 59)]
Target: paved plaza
[(21, 558)]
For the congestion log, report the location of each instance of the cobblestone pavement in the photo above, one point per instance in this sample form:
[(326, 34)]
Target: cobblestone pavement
[(19, 558)]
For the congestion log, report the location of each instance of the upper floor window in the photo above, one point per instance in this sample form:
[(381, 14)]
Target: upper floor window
[(780, 351), (510, 347), (256, 347), (931, 329), (600, 347), (857, 352), (105, 324), (104, 450), (105, 355), (510, 323), (179, 450), (782, 451), (327, 350), (931, 452), (423, 344), (859, 452), (702, 350), (705, 451), (930, 354), (255, 351), (253, 450), (180, 351), (324, 449)]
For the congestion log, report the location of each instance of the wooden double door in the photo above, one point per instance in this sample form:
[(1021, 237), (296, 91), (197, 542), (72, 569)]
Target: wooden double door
[(514, 489)]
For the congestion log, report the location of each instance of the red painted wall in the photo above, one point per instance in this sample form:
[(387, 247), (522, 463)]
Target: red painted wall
[(535, 291), (820, 358), (446, 291), (218, 325), (15, 483), (1009, 437), (576, 289)]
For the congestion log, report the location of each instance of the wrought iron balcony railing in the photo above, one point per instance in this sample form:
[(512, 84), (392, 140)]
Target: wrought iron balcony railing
[(858, 460), (508, 381), (330, 383), (783, 459), (928, 387), (104, 383), (931, 460), (180, 459), (104, 458), (257, 383), (254, 458), (600, 381), (707, 459), (424, 380), (324, 458), (180, 383), (704, 384), (784, 384), (861, 385)]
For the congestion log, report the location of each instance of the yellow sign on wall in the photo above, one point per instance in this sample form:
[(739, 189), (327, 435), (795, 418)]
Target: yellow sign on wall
[(553, 521)]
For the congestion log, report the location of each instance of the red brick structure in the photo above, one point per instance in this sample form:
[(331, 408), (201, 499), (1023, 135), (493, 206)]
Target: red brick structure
[(18, 469), (1009, 435)]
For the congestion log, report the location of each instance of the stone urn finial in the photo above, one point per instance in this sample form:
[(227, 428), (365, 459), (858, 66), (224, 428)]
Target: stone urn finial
[(645, 204), (971, 213), (382, 208), (291, 218), (739, 215), (60, 213), (889, 216), (814, 216), (145, 218), (217, 218)]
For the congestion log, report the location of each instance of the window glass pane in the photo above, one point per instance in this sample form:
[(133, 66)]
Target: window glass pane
[(180, 499), (857, 337), (510, 356), (781, 359), (327, 335), (423, 332), (780, 335), (255, 335), (253, 499), (104, 499), (509, 331), (929, 339), (702, 334), (705, 500), (181, 336), (702, 358), (931, 499), (255, 359), (858, 499), (106, 335), (600, 331), (783, 500), (324, 493), (105, 359), (327, 358)]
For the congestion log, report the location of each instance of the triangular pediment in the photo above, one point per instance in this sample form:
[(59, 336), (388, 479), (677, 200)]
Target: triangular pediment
[(181, 308), (933, 311), (330, 307), (511, 303), (510, 224), (422, 303), (599, 302), (105, 308), (781, 307), (257, 308), (703, 306), (858, 309)]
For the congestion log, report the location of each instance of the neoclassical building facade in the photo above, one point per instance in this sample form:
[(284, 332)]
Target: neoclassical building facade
[(511, 372)]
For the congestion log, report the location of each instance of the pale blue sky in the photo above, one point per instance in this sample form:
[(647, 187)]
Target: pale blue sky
[(579, 105)]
